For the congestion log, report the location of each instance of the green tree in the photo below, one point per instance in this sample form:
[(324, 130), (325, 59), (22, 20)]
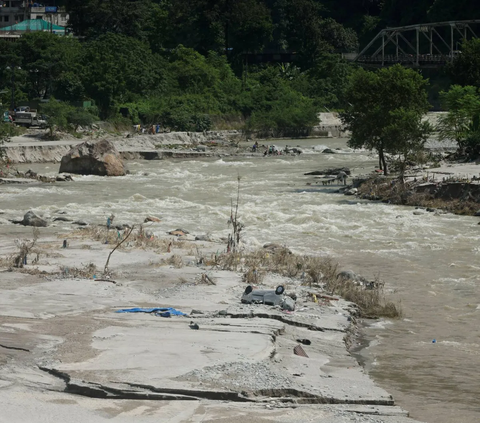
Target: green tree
[(92, 18), (46, 60), (80, 117), (465, 68), (273, 107), (224, 26), (6, 132), (56, 113), (407, 134), (375, 103), (446, 10), (460, 123), (119, 69)]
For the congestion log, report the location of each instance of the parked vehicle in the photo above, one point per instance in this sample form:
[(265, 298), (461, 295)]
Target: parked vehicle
[(29, 119)]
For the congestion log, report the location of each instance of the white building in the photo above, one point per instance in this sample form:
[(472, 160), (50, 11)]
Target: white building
[(16, 11)]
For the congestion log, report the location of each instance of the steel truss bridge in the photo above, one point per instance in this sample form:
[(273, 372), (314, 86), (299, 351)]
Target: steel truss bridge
[(429, 45)]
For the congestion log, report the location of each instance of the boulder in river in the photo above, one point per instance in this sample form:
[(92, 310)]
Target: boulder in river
[(31, 219), (151, 219), (330, 171), (93, 158)]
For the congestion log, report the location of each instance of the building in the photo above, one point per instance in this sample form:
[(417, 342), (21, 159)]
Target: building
[(15, 11)]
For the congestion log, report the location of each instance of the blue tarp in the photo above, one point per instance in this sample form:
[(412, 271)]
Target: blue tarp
[(159, 311)]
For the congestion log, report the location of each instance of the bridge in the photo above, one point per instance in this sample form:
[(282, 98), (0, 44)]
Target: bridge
[(430, 45)]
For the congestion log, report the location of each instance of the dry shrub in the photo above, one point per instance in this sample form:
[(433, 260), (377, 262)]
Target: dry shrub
[(174, 260), (370, 300), (25, 247), (85, 272), (204, 279), (253, 276)]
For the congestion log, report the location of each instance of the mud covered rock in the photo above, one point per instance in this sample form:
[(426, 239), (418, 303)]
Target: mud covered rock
[(330, 171), (31, 219), (93, 158)]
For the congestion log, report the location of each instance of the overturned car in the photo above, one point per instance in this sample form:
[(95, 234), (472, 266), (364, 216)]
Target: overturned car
[(271, 297)]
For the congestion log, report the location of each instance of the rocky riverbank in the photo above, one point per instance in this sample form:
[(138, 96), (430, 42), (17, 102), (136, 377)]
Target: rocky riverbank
[(31, 148), (452, 187)]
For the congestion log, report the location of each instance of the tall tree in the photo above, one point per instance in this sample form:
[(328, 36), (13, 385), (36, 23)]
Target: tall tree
[(91, 18), (377, 102), (461, 122), (120, 69), (465, 68)]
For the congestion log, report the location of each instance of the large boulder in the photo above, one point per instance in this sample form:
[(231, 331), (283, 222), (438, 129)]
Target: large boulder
[(93, 158), (31, 219)]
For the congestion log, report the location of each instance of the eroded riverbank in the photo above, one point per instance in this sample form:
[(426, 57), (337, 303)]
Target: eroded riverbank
[(412, 254)]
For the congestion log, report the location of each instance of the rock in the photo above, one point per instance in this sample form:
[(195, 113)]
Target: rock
[(62, 219), (31, 219), (329, 151), (80, 223), (276, 248), (477, 213), (201, 148), (93, 158), (351, 191), (330, 171), (202, 238), (152, 219), (64, 177), (288, 304), (347, 275), (122, 226), (31, 174), (430, 210), (179, 232), (418, 213)]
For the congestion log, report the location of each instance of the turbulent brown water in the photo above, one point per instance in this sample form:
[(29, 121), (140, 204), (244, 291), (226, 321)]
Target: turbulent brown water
[(429, 262)]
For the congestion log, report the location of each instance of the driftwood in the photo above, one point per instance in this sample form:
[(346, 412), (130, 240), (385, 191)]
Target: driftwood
[(105, 269)]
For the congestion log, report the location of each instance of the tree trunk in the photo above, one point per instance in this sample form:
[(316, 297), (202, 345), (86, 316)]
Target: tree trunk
[(385, 170), (381, 160)]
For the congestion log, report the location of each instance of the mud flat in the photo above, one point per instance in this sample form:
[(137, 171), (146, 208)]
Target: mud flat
[(66, 354)]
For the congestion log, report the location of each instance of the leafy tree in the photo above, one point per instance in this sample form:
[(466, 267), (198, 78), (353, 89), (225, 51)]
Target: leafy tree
[(405, 12), (461, 123), (46, 60), (377, 104), (445, 10), (120, 69), (272, 107), (56, 114), (465, 69), (92, 18), (7, 130), (406, 134), (326, 81), (232, 26), (80, 117)]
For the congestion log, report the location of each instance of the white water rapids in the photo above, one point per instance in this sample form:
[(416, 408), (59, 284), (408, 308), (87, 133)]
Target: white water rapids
[(429, 262)]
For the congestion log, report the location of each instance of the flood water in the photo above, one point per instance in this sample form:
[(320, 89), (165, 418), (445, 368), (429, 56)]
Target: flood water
[(429, 262)]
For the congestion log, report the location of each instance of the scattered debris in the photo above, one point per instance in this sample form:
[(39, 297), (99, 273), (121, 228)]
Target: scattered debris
[(158, 311), (194, 326), (298, 350)]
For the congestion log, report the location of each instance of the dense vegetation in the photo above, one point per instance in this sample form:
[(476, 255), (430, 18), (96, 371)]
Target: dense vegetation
[(190, 64)]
